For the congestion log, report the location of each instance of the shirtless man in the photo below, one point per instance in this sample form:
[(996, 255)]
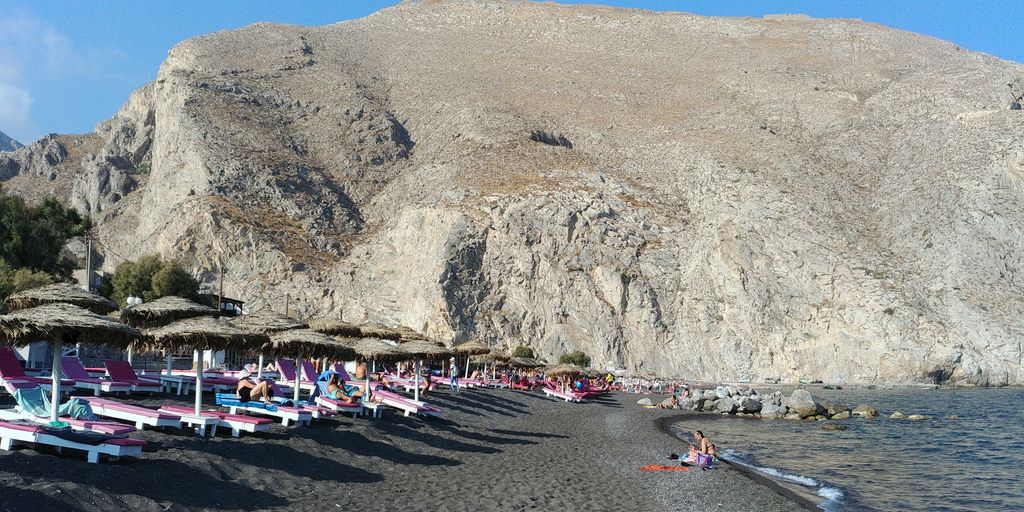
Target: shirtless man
[(360, 371)]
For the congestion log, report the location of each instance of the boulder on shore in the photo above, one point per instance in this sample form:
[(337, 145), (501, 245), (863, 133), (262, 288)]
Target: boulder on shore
[(833, 426), (748, 404), (865, 411), (842, 415), (644, 401), (727, 406), (801, 402), (772, 411)]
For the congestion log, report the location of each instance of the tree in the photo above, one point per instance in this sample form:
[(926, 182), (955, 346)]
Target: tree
[(577, 358), (523, 351), (16, 280), (151, 278), (33, 236)]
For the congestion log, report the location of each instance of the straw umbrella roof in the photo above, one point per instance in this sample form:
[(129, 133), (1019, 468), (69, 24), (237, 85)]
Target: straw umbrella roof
[(380, 350), (423, 349), (408, 333), (564, 370), (267, 321), (471, 347), (380, 331), (61, 292), (310, 344), (71, 322), (334, 327), (525, 362), (163, 311), (205, 333)]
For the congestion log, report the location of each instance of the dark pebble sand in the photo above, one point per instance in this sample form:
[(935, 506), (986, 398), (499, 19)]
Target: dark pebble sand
[(493, 450)]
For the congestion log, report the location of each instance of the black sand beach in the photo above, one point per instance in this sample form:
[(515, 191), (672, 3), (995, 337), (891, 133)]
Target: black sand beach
[(494, 450)]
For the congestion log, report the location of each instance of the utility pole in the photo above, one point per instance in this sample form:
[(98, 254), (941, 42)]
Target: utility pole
[(287, 303), (88, 263)]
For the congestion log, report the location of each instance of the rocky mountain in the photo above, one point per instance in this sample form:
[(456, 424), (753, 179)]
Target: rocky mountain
[(709, 197), (7, 143)]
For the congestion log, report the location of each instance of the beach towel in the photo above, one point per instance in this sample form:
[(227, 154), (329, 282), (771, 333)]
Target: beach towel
[(233, 401), (655, 467), (35, 401)]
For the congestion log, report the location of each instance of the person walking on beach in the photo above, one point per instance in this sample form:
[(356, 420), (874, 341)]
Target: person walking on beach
[(453, 372)]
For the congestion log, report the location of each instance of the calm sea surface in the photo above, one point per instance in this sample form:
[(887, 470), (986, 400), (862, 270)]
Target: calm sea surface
[(969, 456)]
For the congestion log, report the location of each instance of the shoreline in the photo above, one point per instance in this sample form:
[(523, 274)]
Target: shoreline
[(792, 492)]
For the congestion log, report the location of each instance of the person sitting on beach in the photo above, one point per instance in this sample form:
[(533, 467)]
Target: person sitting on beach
[(337, 389), (475, 375), (673, 405), (248, 389), (360, 371), (706, 446)]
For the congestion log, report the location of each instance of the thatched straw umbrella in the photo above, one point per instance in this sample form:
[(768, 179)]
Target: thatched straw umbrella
[(379, 331), (335, 327), (376, 349), (65, 293), (268, 321), (408, 333), (564, 370), (493, 357), (525, 362), (420, 350), (471, 348), (308, 343), (201, 334), (60, 322), (160, 312)]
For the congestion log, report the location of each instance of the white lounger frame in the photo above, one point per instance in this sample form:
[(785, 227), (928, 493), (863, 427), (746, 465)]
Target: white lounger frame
[(9, 436)]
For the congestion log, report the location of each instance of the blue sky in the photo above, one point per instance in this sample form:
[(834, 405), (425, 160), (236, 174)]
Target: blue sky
[(65, 66)]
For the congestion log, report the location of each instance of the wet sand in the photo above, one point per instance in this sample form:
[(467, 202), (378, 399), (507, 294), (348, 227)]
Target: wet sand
[(493, 450)]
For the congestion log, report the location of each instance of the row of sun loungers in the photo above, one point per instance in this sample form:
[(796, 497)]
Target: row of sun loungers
[(12, 432)]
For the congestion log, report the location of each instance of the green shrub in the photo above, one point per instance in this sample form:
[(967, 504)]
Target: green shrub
[(523, 351), (577, 358), (150, 277)]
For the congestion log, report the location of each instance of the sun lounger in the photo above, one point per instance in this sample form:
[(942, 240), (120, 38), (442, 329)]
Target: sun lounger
[(287, 371), (122, 371), (140, 416), (103, 427), (286, 414), (236, 422), (561, 395), (73, 368), (314, 409), (11, 371), (16, 432), (320, 397), (404, 404)]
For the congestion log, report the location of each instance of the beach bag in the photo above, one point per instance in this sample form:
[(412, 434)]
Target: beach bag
[(704, 459)]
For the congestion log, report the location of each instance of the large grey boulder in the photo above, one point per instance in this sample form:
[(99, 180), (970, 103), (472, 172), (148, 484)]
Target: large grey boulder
[(801, 403), (772, 411), (749, 404), (726, 405), (644, 401), (721, 392), (710, 394)]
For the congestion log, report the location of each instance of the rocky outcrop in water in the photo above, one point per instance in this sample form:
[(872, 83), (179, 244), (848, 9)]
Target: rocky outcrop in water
[(705, 197)]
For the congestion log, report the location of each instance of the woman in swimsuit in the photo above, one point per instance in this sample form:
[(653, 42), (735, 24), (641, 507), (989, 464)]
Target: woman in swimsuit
[(706, 446), (248, 389), (338, 390)]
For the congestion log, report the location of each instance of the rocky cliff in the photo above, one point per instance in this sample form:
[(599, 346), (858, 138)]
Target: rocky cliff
[(707, 197)]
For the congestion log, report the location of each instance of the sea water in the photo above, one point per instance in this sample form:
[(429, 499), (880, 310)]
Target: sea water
[(968, 456)]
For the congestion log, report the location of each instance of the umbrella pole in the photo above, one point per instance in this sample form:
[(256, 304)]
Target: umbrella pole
[(467, 365), (129, 355), (416, 392), (169, 358), (259, 371), (58, 349), (374, 363), (199, 382), (298, 378)]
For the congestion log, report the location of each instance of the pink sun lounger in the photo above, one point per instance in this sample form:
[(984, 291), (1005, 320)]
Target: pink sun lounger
[(73, 368), (11, 433), (287, 373), (122, 371), (404, 404), (100, 426), (561, 395), (140, 416), (13, 375), (236, 422)]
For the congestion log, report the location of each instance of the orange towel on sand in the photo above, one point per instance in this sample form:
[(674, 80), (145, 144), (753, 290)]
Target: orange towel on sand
[(663, 468)]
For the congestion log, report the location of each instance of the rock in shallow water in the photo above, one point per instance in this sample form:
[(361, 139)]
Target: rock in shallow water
[(865, 411), (644, 401), (801, 402), (896, 416), (833, 426), (841, 415)]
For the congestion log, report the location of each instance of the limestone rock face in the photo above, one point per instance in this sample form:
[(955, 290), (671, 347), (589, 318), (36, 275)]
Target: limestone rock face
[(7, 143), (707, 197)]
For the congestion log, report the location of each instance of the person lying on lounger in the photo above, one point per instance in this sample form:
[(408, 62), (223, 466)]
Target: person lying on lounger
[(338, 390), (248, 389)]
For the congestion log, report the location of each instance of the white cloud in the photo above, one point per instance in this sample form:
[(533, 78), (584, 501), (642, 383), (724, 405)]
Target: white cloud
[(15, 104)]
